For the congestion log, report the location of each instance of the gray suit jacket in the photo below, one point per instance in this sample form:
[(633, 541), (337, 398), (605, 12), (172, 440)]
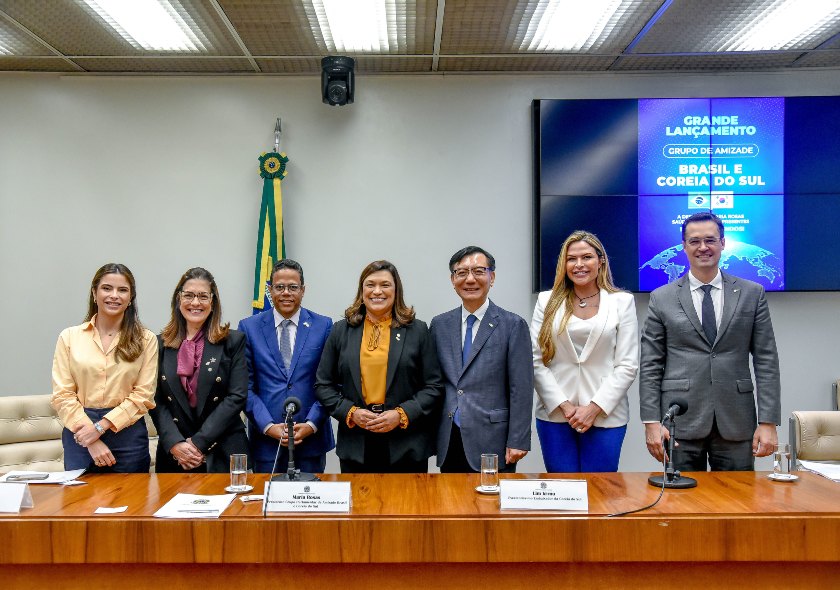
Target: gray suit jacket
[(678, 362), (495, 389)]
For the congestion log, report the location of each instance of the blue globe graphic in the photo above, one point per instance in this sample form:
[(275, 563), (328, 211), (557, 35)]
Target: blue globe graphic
[(741, 259)]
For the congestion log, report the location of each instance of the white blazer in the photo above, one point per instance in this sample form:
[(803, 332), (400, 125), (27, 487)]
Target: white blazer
[(603, 373)]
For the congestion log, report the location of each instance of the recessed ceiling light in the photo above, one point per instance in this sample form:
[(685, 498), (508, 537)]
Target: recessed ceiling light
[(783, 25), (154, 25), (360, 26), (571, 25)]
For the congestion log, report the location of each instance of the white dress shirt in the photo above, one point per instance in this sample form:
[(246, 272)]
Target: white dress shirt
[(479, 314)]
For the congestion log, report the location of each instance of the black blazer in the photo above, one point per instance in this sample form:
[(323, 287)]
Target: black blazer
[(215, 424), (413, 383)]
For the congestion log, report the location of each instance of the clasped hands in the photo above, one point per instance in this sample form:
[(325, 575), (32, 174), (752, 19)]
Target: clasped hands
[(581, 418), (88, 437), (280, 432), (373, 422), (187, 454)]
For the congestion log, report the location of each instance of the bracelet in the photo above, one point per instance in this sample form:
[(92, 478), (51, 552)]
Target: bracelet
[(99, 428), (403, 417)]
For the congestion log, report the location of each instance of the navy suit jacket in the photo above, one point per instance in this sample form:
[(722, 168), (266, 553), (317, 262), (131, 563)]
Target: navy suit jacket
[(269, 384), (494, 389)]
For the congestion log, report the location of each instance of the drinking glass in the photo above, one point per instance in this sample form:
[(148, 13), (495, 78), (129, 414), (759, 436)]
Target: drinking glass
[(238, 473), (489, 472)]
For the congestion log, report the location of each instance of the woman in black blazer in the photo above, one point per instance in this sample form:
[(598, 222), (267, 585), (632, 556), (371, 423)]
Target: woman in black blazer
[(202, 382), (379, 377)]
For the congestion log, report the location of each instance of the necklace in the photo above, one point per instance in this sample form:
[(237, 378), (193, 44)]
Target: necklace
[(582, 300)]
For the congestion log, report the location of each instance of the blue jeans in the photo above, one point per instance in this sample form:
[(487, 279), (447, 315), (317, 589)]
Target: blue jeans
[(568, 451), (130, 447)]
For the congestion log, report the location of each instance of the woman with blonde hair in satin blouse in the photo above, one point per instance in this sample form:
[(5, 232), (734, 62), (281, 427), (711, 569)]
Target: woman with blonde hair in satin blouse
[(585, 342), (104, 379)]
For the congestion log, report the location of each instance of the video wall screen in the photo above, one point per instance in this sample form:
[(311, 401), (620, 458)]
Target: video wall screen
[(631, 170)]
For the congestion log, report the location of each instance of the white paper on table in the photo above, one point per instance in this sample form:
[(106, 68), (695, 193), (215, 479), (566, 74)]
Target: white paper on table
[(829, 469), (195, 506), (52, 477), (14, 496), (114, 510)]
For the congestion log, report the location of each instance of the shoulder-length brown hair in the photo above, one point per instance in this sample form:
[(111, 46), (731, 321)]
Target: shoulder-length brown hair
[(176, 330), (130, 345), (563, 291), (401, 314)]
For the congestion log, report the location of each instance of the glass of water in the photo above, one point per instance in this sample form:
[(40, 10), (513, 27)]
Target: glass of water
[(781, 461), (238, 473), (489, 472)]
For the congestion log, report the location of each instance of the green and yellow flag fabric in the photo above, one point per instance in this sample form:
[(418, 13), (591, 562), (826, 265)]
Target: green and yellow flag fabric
[(271, 245)]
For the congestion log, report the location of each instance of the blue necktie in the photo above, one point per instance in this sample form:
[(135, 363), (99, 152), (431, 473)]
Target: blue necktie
[(465, 354), (285, 343), (468, 338), (708, 319)]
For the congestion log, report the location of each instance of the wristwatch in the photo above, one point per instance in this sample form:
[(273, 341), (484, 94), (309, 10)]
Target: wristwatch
[(99, 428)]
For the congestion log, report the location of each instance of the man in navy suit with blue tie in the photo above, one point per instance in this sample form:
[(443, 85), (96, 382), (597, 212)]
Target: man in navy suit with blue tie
[(485, 356), (284, 347)]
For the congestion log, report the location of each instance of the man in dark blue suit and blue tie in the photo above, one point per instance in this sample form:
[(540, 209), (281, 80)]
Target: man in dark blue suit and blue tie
[(485, 357), (284, 347)]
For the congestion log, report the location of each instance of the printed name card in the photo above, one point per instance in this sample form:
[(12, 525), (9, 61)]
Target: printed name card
[(309, 496), (544, 494), (14, 496)]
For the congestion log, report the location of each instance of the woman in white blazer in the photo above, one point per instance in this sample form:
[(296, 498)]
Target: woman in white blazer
[(585, 340)]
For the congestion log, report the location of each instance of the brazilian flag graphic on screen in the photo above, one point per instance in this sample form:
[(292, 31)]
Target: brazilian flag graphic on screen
[(271, 245)]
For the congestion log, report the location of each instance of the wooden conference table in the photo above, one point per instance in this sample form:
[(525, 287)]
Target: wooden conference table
[(423, 531)]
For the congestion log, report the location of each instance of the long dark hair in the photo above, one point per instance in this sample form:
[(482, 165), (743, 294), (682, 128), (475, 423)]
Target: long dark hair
[(176, 330), (401, 314), (130, 345)]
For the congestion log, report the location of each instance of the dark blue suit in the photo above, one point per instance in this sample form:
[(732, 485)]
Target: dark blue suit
[(494, 389), (269, 384)]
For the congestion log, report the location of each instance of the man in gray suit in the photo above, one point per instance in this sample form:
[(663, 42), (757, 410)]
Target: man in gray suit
[(485, 358), (696, 346)]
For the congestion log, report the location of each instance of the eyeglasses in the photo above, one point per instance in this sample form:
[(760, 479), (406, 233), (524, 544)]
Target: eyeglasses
[(280, 288), (189, 297), (478, 272), (710, 242)]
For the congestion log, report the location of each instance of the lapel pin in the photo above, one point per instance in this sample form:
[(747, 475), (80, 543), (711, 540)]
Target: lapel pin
[(734, 290), (491, 325), (209, 369), (306, 324), (212, 359), (398, 337)]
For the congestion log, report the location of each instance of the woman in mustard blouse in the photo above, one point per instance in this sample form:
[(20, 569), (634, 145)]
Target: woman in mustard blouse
[(379, 377), (103, 379)]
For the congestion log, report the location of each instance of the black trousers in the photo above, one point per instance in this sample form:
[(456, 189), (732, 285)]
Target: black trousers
[(721, 454), (378, 459)]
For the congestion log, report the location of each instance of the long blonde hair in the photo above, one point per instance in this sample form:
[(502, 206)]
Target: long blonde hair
[(563, 291)]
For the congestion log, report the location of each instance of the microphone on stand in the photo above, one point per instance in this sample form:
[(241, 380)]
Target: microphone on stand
[(670, 477), (292, 406)]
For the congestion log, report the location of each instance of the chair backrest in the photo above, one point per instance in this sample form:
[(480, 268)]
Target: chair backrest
[(815, 436), (30, 434)]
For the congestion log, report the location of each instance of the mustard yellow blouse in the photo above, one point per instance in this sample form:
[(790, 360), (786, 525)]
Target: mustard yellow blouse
[(373, 359)]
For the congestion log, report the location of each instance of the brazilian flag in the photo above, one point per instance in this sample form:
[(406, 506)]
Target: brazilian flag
[(271, 245)]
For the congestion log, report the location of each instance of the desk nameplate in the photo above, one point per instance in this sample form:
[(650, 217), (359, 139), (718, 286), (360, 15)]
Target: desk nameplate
[(544, 494), (311, 496)]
